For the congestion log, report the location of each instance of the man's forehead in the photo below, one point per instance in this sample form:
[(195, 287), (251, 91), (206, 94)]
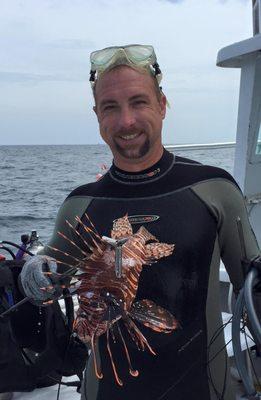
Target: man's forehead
[(123, 78)]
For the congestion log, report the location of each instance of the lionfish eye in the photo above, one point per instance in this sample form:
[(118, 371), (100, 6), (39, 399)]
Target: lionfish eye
[(105, 293), (83, 314)]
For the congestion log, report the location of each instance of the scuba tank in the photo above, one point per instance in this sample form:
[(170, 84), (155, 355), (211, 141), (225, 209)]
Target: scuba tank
[(30, 246), (34, 246)]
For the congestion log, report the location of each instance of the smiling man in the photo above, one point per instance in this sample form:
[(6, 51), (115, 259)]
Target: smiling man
[(178, 201), (130, 114)]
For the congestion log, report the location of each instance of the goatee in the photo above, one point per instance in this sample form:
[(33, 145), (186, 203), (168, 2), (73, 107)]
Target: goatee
[(134, 153)]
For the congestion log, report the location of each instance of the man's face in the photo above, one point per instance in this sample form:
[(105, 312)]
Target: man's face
[(130, 116)]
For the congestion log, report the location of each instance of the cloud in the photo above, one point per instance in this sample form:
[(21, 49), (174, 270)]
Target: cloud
[(26, 77), (219, 1), (71, 44), (175, 1), (227, 1), (45, 46)]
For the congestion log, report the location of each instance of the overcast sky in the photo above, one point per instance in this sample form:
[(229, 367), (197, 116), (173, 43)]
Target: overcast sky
[(45, 96)]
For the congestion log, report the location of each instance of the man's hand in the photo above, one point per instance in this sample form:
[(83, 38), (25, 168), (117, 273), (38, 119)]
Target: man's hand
[(39, 279)]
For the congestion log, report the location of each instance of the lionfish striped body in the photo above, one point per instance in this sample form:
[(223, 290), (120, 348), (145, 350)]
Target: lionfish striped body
[(105, 298)]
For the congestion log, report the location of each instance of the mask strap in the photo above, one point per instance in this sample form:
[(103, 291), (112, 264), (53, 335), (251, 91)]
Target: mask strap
[(92, 76), (156, 68)]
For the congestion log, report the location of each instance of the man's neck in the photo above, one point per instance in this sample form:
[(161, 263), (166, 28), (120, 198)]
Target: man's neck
[(145, 175)]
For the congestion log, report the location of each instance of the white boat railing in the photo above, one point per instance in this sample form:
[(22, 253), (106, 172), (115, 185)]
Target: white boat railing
[(198, 146)]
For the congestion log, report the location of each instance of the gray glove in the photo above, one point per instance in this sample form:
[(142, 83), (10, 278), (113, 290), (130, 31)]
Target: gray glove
[(37, 285)]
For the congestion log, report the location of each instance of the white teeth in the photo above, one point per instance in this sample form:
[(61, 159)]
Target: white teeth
[(129, 137)]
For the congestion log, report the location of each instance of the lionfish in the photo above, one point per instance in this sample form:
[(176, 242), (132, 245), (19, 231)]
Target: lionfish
[(108, 281)]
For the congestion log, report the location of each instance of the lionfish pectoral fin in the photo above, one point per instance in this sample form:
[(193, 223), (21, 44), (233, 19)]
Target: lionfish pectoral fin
[(64, 253), (69, 240), (153, 316), (136, 334), (136, 340), (97, 242), (155, 251), (77, 233)]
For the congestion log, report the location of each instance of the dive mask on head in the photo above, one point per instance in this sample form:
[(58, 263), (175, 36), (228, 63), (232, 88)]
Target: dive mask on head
[(134, 54)]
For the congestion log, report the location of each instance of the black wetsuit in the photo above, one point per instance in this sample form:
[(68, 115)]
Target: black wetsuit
[(197, 207)]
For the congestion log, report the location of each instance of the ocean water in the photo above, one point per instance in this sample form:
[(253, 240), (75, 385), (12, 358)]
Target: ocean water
[(35, 180)]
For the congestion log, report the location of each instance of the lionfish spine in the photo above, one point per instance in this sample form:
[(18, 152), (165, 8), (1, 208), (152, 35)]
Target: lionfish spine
[(92, 234), (132, 371), (64, 253), (134, 285), (118, 380), (95, 230), (73, 243), (98, 372), (64, 263), (140, 335), (135, 275), (78, 234)]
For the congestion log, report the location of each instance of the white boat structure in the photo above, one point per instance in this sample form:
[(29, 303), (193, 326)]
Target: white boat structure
[(247, 167)]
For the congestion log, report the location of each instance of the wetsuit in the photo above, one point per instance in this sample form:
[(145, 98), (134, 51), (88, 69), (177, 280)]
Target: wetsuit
[(196, 208)]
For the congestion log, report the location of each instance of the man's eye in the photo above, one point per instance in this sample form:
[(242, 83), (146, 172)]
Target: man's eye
[(109, 107), (139, 102)]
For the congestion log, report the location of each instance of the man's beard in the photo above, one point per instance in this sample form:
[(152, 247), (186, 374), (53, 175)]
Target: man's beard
[(134, 153)]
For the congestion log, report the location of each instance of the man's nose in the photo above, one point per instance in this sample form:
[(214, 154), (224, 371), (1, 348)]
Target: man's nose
[(127, 118)]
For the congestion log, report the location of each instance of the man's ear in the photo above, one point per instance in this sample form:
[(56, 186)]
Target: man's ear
[(163, 104), (96, 112)]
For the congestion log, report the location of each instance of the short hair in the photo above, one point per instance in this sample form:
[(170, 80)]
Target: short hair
[(144, 70)]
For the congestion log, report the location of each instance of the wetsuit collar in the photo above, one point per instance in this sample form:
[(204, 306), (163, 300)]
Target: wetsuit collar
[(154, 172)]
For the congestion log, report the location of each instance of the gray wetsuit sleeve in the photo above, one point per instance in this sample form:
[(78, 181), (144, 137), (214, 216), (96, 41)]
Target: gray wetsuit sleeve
[(226, 204), (225, 201)]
